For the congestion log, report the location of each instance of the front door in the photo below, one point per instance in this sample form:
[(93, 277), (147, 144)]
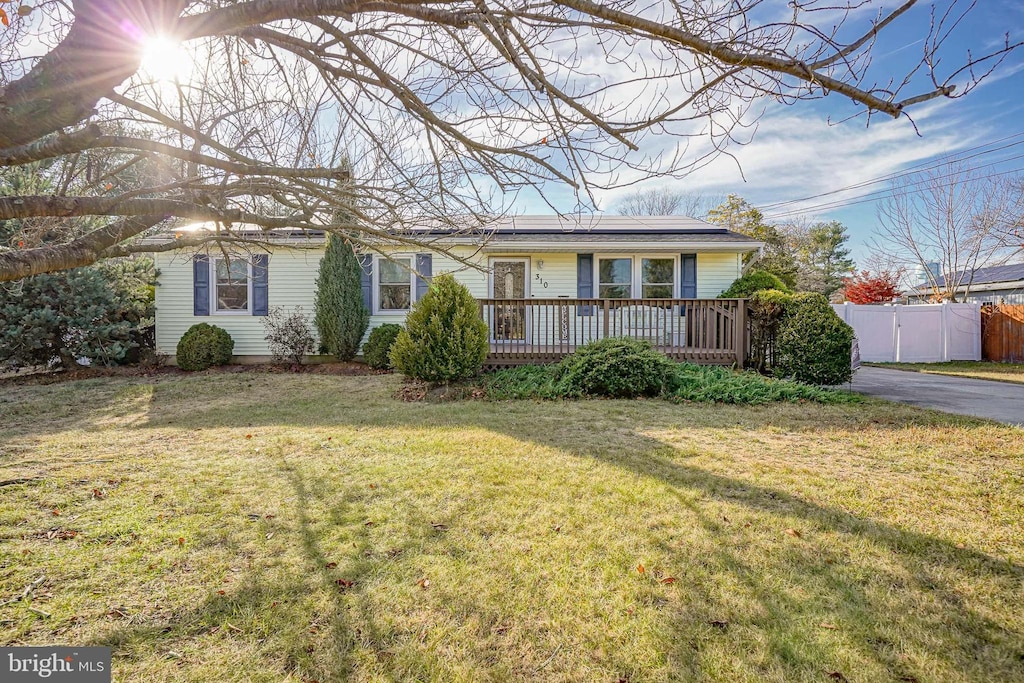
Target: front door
[(510, 279)]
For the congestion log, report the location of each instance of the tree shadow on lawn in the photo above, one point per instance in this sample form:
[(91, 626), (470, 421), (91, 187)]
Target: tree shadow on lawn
[(917, 584), (276, 621)]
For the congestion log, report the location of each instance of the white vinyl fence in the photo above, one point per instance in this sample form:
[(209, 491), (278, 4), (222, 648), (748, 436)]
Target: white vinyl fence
[(918, 333)]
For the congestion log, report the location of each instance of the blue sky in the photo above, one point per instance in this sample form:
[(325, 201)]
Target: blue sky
[(797, 153)]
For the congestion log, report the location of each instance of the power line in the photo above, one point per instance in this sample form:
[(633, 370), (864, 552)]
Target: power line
[(874, 196), (911, 170)]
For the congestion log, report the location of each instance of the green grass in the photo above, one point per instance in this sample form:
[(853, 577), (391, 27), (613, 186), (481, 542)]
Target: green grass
[(689, 383), (200, 525), (1001, 372)]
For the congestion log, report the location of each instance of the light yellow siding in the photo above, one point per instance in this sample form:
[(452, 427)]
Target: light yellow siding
[(716, 271), (292, 276)]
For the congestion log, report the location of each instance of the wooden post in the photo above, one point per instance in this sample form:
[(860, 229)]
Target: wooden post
[(739, 335), (607, 318)]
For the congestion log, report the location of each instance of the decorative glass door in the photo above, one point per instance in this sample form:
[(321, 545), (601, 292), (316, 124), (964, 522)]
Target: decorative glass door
[(510, 280)]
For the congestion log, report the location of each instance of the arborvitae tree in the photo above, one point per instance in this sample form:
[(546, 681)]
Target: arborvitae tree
[(341, 316)]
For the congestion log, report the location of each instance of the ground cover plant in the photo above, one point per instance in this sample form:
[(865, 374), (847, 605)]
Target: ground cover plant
[(310, 527), (626, 368), (684, 382)]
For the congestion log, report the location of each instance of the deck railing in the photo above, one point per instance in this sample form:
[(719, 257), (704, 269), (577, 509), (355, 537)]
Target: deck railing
[(712, 331)]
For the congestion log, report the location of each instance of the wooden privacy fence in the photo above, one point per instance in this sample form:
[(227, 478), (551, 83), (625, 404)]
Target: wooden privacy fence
[(712, 331), (1002, 333)]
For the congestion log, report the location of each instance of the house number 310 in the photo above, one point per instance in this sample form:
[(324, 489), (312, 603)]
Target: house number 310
[(543, 283)]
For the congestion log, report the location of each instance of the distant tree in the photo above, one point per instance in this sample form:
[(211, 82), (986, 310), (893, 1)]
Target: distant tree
[(865, 288), (822, 258), (955, 215), (664, 201), (736, 214), (341, 316)]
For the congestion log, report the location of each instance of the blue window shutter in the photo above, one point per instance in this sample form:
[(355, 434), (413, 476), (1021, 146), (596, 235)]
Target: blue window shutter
[(688, 276), (366, 265), (585, 281), (425, 267), (260, 284), (201, 285)]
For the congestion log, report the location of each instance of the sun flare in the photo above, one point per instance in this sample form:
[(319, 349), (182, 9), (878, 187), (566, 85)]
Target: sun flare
[(165, 59)]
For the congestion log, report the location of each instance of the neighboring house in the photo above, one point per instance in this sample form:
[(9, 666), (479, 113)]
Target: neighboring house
[(545, 285), (991, 285)]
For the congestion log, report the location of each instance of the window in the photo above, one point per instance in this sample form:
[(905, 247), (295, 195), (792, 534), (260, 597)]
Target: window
[(615, 278), (658, 278), (654, 277), (394, 284), (231, 285)]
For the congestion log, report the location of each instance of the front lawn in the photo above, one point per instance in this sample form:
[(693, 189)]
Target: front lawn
[(261, 527), (1001, 372)]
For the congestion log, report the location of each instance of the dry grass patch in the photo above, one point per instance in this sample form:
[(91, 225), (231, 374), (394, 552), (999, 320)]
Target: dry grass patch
[(256, 527)]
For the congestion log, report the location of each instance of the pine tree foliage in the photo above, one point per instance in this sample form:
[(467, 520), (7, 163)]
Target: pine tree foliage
[(445, 338), (340, 315), (59, 318)]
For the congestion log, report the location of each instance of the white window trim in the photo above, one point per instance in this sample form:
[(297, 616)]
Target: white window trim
[(213, 286), (375, 284), (490, 273), (636, 272)]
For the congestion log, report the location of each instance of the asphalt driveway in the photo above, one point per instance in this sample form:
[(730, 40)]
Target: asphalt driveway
[(999, 401)]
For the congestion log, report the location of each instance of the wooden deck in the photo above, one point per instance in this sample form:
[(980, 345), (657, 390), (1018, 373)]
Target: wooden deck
[(525, 331)]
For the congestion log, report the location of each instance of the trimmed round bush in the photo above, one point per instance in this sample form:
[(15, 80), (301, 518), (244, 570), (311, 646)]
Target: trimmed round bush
[(813, 344), (204, 346), (377, 349), (754, 281), (616, 367), (445, 338)]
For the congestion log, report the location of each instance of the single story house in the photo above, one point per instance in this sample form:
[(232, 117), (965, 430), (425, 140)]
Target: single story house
[(545, 284), (991, 285)]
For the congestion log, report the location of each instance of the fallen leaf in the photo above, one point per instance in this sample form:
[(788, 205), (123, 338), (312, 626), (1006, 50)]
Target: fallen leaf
[(746, 525), (837, 676), (423, 583), (248, 436), (794, 533), (439, 527), (221, 593), (719, 624), (825, 624), (669, 579), (640, 569), (331, 565), (55, 512), (96, 493), (344, 584), (181, 540), (373, 486)]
